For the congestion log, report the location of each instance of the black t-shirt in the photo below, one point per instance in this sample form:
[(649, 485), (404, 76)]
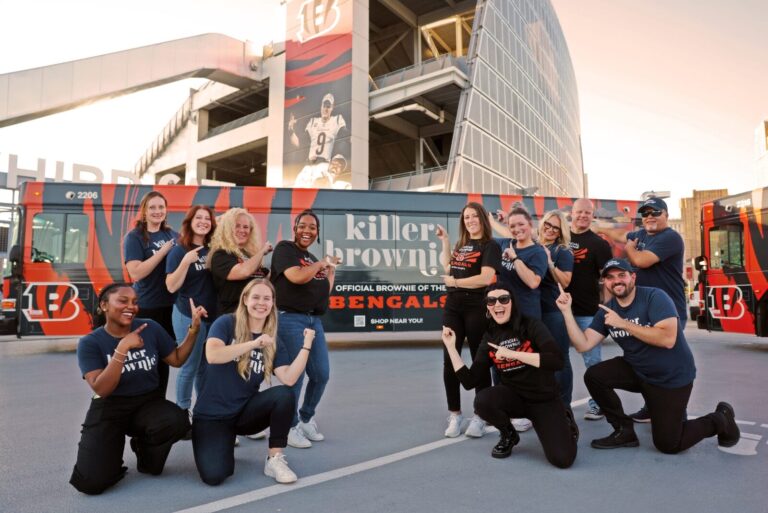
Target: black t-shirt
[(590, 253), (533, 384), (310, 297), (469, 260), (228, 291)]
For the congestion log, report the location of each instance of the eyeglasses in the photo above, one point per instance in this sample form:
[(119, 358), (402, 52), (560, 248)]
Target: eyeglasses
[(552, 227), (652, 213), (504, 300)]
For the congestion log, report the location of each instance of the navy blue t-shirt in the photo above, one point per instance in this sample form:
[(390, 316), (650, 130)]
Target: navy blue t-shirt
[(139, 376), (667, 273), (198, 283), (527, 300), (151, 289), (563, 260), (666, 368), (223, 392)]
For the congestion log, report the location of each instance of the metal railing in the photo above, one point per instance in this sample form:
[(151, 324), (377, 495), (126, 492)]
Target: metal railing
[(417, 70), (237, 123), (432, 177)]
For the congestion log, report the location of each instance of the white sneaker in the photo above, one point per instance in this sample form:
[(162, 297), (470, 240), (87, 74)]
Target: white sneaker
[(297, 439), (258, 436), (521, 425), (309, 430), (276, 466), (454, 425), (476, 428), (237, 441)]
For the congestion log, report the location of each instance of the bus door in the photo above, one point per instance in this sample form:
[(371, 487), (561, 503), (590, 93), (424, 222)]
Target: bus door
[(727, 294), (56, 294)]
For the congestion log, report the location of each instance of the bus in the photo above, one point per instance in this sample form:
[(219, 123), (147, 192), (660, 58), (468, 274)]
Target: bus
[(68, 246), (733, 266)]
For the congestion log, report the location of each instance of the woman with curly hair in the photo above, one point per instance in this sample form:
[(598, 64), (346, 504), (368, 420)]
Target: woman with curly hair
[(235, 257), (240, 353), (190, 278)]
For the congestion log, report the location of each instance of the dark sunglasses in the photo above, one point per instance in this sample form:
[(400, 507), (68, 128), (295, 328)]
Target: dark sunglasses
[(504, 300), (652, 213), (548, 226)]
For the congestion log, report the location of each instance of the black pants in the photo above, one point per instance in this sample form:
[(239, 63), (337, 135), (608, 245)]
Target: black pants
[(213, 441), (671, 431), (164, 317), (499, 403), (465, 315), (154, 425)]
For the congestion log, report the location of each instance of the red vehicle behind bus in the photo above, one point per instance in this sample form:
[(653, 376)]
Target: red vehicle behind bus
[(733, 267), (69, 237)]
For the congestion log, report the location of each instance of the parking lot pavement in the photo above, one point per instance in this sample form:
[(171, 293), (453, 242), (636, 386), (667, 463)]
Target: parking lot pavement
[(383, 416)]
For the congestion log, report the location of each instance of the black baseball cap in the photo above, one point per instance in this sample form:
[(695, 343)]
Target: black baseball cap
[(616, 263), (653, 203)]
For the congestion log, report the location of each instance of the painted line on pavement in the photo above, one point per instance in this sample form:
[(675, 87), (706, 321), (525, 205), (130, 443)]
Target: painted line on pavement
[(278, 489)]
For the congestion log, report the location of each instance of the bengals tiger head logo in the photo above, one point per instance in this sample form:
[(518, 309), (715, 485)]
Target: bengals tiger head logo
[(317, 17)]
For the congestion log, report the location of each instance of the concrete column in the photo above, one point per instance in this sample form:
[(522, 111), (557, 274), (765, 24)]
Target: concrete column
[(276, 120), (196, 170), (360, 60)]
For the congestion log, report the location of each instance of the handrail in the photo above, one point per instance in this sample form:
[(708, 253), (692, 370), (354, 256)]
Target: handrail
[(417, 70)]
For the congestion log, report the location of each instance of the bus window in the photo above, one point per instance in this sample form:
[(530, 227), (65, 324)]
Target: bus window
[(59, 238), (726, 247), (76, 240)]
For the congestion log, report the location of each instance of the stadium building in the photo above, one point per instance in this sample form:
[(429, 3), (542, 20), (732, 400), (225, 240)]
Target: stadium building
[(428, 95)]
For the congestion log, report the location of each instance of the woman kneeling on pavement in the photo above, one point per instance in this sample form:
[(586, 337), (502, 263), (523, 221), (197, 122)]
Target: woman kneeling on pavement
[(239, 354), (527, 357), (120, 362)]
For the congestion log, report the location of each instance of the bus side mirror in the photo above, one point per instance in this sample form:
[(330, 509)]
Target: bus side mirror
[(700, 263), (14, 256)]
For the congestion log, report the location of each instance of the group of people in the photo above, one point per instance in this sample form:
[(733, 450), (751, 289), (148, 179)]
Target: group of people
[(202, 300), (522, 301)]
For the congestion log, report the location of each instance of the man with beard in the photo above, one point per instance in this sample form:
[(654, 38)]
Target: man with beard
[(656, 363), (657, 252)]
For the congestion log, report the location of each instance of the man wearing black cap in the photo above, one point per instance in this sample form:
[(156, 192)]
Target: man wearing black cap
[(657, 363), (657, 252)]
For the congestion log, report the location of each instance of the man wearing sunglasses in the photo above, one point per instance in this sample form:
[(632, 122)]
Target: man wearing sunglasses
[(657, 253)]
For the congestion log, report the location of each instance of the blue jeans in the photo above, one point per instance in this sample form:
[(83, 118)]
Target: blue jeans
[(190, 372), (594, 355), (556, 325), (290, 333)]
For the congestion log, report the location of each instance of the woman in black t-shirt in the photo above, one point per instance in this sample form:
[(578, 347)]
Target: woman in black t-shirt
[(470, 267), (235, 257), (303, 283), (526, 357)]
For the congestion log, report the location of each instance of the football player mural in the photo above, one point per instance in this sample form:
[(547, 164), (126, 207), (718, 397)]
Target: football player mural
[(318, 90)]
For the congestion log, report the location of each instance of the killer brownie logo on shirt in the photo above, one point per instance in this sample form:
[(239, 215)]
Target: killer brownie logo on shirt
[(616, 333), (465, 258), (137, 360), (513, 344)]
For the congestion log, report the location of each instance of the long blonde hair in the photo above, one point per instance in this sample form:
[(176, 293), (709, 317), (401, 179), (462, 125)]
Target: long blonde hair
[(564, 239), (224, 236), (243, 331)]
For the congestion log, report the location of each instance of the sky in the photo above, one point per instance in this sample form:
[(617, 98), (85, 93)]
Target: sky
[(670, 91)]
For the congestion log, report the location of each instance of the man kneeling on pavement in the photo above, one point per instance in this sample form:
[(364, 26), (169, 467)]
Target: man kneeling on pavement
[(656, 363)]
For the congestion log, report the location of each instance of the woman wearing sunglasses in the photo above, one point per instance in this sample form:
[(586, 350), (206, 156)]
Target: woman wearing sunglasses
[(555, 238), (525, 355)]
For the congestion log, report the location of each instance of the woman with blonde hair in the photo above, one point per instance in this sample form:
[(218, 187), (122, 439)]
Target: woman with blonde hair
[(235, 257), (554, 236), (239, 354)]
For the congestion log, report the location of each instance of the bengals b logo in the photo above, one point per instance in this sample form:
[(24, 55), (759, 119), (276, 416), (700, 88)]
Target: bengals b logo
[(317, 17)]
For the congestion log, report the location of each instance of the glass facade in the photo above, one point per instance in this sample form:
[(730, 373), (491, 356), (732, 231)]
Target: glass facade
[(518, 122)]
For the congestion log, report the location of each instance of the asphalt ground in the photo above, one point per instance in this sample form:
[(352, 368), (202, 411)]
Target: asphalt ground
[(383, 415)]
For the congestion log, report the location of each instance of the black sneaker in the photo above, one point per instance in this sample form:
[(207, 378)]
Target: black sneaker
[(622, 437), (642, 415), (572, 424), (730, 433), (506, 441)]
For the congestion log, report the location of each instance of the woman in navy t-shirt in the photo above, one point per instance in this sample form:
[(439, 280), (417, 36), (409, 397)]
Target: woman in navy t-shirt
[(470, 267), (145, 248), (120, 362), (189, 277), (239, 354)]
